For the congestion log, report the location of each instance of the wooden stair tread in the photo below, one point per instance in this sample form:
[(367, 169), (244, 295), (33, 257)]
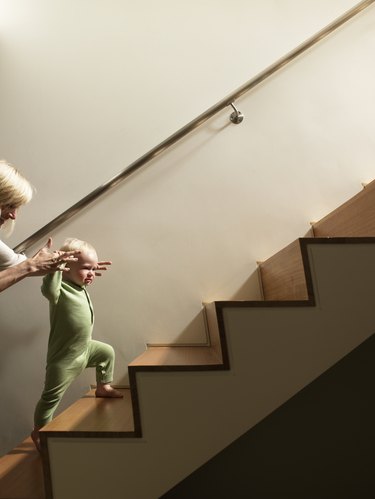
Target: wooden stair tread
[(92, 414), (354, 218), (95, 416), (170, 356), (21, 473), (283, 275)]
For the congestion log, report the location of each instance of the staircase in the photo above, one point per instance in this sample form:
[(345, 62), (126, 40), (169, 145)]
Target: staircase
[(283, 275), (185, 404)]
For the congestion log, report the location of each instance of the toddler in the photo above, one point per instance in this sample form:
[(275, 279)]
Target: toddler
[(70, 347)]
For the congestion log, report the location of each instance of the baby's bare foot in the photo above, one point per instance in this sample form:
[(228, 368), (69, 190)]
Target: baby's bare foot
[(106, 390)]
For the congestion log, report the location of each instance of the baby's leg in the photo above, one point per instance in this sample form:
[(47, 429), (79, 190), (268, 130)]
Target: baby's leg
[(102, 357), (58, 379)]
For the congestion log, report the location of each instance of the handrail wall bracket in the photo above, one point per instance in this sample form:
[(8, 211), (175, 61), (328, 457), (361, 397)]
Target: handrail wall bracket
[(236, 117)]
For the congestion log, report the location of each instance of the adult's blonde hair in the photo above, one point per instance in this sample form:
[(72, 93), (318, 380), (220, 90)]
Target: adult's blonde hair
[(15, 189), (73, 244)]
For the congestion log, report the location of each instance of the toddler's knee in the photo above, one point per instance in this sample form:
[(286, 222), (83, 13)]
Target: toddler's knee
[(111, 351), (108, 352)]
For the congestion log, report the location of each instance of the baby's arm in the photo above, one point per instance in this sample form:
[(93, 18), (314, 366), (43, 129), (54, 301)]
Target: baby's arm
[(51, 286)]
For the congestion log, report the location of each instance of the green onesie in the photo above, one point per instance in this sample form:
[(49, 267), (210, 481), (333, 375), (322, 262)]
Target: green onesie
[(70, 347)]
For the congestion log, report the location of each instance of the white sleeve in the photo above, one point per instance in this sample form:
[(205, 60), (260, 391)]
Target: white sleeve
[(8, 257)]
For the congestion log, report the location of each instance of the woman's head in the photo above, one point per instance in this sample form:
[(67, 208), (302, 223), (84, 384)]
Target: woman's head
[(15, 191)]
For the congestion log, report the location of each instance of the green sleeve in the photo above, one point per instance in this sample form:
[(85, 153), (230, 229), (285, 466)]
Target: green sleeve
[(51, 286)]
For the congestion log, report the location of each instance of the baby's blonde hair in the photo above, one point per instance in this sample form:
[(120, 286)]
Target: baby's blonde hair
[(73, 244), (15, 190)]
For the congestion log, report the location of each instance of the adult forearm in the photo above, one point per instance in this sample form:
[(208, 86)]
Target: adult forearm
[(10, 276), (42, 263)]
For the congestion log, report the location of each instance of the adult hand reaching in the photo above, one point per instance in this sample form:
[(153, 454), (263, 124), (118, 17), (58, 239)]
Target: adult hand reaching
[(43, 262), (102, 266)]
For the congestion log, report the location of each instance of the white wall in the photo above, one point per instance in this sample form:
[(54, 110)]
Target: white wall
[(89, 86)]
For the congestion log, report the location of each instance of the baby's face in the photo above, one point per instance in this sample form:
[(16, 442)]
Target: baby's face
[(82, 272)]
